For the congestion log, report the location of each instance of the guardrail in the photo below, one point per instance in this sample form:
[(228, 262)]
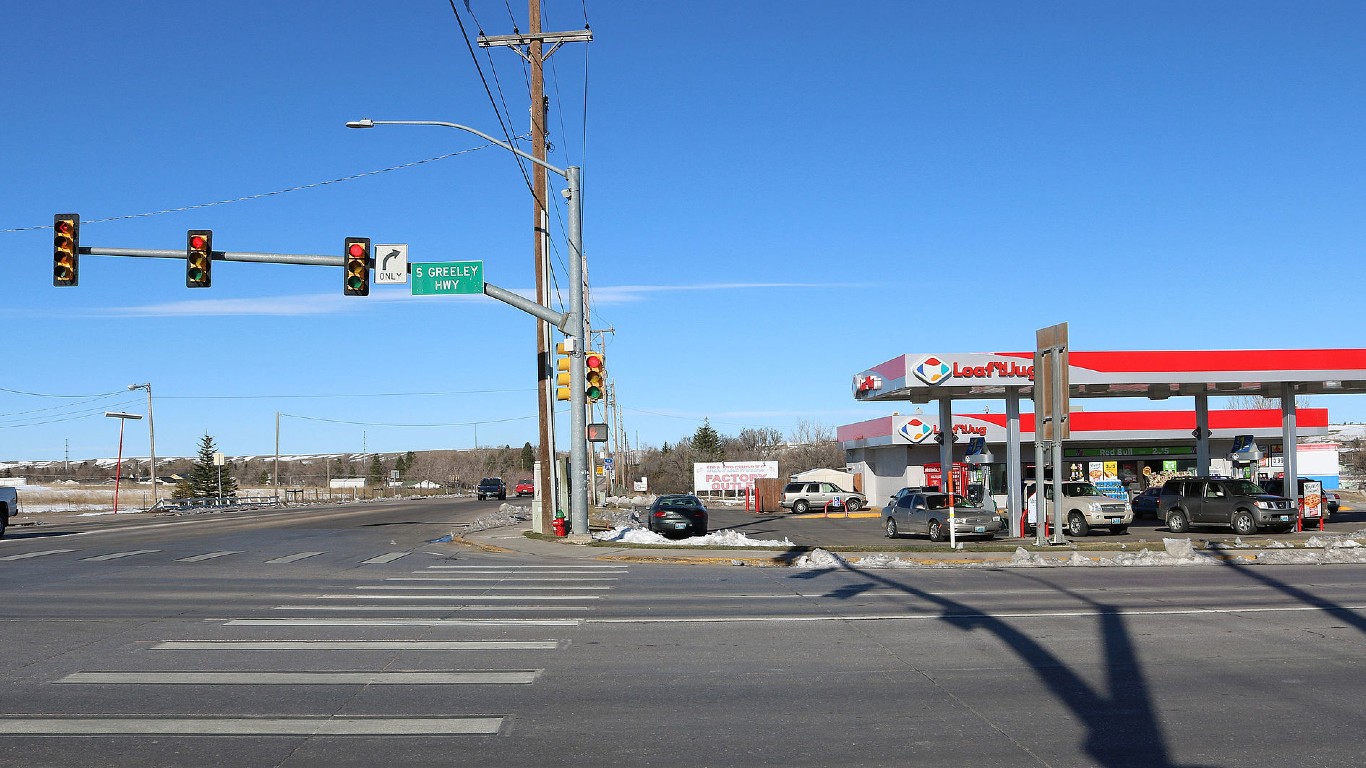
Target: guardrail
[(213, 502)]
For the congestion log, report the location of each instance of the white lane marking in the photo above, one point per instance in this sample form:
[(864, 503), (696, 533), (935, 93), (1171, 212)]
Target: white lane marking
[(373, 622), (357, 645), (972, 615), (459, 597), (294, 726), (500, 586), (117, 555), (425, 578), (385, 558), (483, 677), (450, 607), (501, 579), (456, 580), (209, 556), (497, 568), (294, 557), (27, 555)]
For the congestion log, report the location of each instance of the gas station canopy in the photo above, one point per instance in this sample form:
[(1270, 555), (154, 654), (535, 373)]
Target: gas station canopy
[(1157, 375)]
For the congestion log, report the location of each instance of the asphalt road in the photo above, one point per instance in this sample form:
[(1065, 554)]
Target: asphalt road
[(341, 637)]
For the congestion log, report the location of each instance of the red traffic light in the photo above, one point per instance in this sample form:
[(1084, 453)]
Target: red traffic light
[(66, 236), (356, 275), (199, 258)]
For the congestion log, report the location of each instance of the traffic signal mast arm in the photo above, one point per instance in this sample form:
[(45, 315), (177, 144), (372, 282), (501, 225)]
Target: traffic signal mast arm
[(558, 319)]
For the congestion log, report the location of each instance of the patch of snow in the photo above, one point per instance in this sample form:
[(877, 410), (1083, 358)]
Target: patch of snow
[(633, 534)]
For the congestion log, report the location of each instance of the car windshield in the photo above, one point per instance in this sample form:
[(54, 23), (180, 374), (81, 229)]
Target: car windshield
[(490, 481), (1245, 488), (1072, 490), (941, 501), (679, 501)]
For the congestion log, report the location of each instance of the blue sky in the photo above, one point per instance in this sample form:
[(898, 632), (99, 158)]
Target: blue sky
[(777, 195)]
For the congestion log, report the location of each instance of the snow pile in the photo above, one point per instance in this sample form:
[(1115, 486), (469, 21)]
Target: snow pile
[(819, 558), (628, 534), (628, 501), (507, 514)]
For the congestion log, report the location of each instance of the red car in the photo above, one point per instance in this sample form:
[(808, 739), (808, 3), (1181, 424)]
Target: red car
[(525, 488)]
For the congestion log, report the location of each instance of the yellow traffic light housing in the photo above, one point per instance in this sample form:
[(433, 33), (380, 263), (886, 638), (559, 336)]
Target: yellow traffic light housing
[(66, 248), (566, 350), (198, 258), (357, 277)]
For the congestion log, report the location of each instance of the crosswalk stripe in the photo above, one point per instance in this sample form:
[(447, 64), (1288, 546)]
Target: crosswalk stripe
[(407, 622), (357, 645), (297, 556), (250, 726), (385, 558), (27, 555), (208, 556), (512, 677), (117, 555)]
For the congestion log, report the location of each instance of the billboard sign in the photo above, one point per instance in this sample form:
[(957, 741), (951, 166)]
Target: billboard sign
[(713, 476)]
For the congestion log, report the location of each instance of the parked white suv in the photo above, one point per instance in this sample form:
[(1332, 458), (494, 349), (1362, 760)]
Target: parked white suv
[(803, 496), (1084, 507)]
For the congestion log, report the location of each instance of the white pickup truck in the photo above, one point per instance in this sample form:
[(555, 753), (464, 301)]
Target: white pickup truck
[(9, 505)]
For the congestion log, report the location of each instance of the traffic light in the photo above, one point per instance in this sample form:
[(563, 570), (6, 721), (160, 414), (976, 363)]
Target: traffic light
[(198, 258), (357, 267), (566, 350), (66, 248), (595, 378)]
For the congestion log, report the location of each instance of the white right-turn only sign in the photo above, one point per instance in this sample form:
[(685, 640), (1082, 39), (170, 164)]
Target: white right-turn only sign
[(391, 264)]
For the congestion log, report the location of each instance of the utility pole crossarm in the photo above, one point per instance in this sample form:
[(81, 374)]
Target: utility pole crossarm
[(556, 39)]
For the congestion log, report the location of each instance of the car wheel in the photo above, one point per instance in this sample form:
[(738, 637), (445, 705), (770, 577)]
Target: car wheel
[(892, 532), (1076, 525), (700, 530), (1243, 523), (936, 531), (855, 505), (800, 506), (502, 497), (1177, 521), (1118, 529)]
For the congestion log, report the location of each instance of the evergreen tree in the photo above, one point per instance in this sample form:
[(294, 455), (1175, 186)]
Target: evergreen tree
[(528, 457), (203, 478), (376, 471), (707, 442)]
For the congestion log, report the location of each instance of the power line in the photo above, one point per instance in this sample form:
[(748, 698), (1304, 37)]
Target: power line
[(260, 195), (408, 426)]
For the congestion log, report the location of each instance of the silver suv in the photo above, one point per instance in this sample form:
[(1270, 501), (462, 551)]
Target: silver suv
[(1239, 504), (1084, 507), (801, 497)]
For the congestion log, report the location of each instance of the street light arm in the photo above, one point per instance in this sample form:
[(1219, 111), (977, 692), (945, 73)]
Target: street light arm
[(368, 123)]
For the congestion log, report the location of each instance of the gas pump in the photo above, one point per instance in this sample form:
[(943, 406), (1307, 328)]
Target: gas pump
[(980, 458), (1246, 453)]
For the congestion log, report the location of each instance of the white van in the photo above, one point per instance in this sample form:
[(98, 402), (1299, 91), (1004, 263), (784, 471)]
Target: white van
[(9, 506)]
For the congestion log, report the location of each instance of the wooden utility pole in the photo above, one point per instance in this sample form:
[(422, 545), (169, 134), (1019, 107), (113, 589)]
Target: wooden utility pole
[(535, 55)]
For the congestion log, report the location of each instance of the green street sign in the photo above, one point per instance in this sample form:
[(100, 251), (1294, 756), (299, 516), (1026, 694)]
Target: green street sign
[(448, 277)]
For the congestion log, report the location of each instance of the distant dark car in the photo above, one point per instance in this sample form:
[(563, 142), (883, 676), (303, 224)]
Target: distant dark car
[(525, 488), (490, 487), (677, 513), (1330, 499), (1145, 504)]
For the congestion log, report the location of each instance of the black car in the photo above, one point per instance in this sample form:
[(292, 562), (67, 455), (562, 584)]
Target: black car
[(492, 486), (677, 513), (1145, 504), (1330, 499)]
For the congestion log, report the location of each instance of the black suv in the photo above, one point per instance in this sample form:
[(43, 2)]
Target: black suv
[(492, 486), (1239, 504)]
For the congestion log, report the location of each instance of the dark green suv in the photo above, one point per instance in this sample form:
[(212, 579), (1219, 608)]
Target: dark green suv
[(1239, 504)]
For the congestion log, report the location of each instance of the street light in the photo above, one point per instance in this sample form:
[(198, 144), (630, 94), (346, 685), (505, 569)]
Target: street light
[(151, 435), (118, 466), (578, 429)]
